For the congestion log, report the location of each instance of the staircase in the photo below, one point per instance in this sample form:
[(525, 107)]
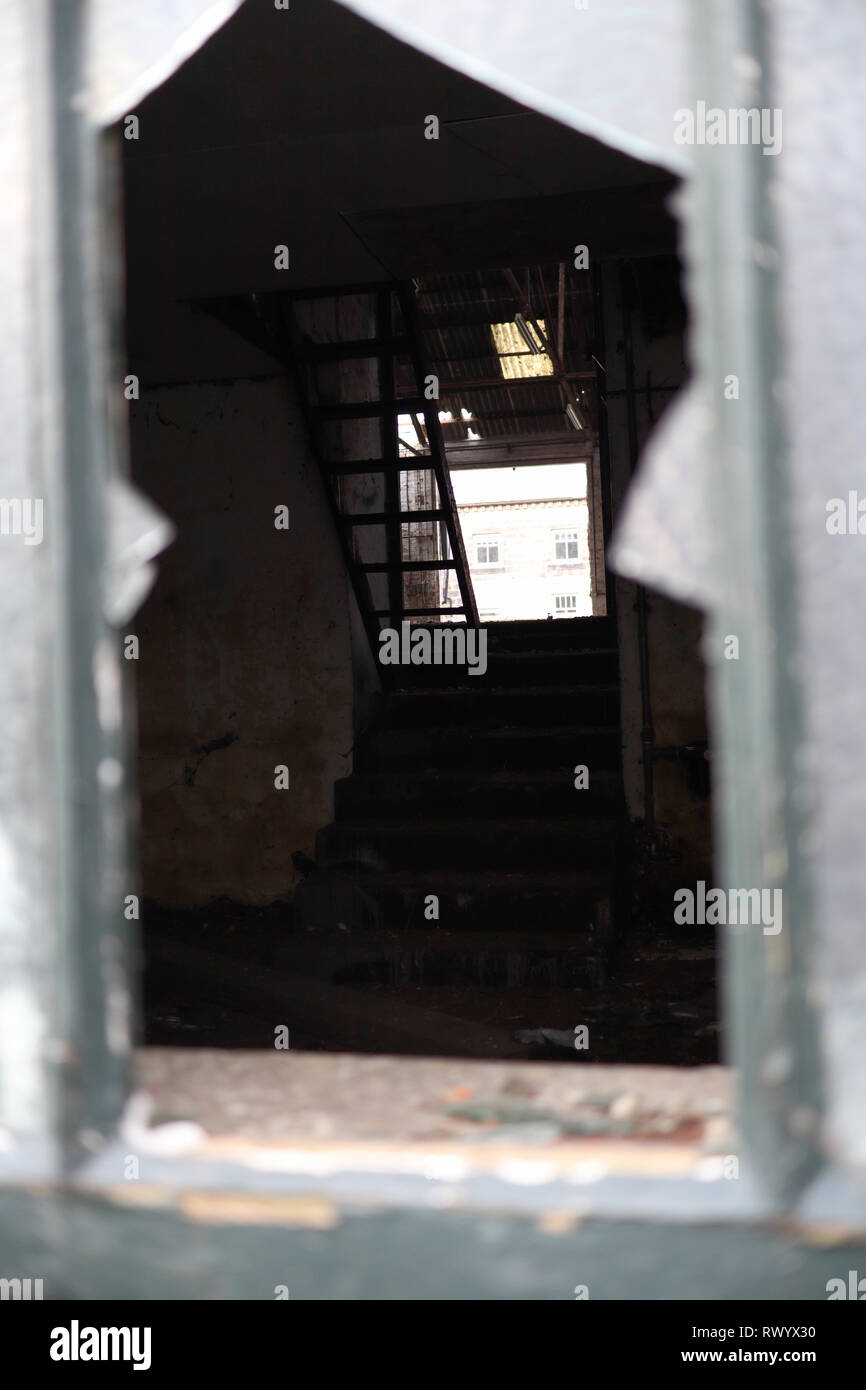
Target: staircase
[(356, 357), (460, 835), (461, 851)]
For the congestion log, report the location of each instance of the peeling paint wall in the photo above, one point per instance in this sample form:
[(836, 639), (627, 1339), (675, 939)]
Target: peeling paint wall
[(245, 644)]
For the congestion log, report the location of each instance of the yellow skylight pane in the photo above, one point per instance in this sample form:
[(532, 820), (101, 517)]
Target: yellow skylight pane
[(507, 340)]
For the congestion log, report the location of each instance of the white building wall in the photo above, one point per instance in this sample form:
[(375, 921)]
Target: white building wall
[(526, 577)]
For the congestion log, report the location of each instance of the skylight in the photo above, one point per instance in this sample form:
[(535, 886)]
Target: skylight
[(514, 358)]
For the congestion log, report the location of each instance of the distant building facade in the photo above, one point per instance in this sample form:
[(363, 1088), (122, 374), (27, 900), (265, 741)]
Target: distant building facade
[(528, 559)]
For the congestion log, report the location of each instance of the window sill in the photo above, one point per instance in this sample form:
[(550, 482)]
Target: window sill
[(342, 1129)]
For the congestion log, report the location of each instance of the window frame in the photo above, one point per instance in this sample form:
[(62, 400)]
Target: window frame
[(567, 559), (72, 949), (494, 538)]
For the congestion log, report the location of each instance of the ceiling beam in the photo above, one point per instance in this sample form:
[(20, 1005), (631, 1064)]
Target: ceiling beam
[(456, 387), (519, 450), (628, 221)]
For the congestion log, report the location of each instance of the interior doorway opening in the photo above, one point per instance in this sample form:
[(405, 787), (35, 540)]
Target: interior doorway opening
[(510, 353), (526, 530)]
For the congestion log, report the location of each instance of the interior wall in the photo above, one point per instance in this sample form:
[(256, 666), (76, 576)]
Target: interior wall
[(335, 319), (245, 657), (674, 631)]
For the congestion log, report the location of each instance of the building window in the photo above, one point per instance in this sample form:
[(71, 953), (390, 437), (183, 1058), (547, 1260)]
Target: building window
[(566, 546), (565, 605), (488, 550)]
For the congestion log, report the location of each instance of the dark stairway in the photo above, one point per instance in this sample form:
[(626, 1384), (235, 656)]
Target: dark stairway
[(462, 854), (464, 792)]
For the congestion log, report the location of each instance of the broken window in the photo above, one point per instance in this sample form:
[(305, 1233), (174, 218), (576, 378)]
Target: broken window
[(789, 787)]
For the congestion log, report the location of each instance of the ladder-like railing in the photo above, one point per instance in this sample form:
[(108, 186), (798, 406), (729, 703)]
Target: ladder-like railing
[(356, 354)]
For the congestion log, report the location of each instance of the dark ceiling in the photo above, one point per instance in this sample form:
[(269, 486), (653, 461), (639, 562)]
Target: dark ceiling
[(306, 128)]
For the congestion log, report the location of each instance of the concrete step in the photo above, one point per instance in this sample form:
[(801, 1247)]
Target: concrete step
[(577, 903), (468, 844), (549, 796), (506, 750), (433, 956), (531, 667), (490, 960), (551, 634), (522, 705)]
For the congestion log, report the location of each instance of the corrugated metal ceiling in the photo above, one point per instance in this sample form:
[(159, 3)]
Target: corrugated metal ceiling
[(456, 312)]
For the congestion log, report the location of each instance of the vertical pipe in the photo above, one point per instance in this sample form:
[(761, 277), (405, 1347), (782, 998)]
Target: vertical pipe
[(647, 733), (560, 314), (600, 357)]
